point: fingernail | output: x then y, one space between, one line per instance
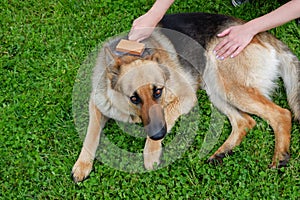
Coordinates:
231 56
220 58
215 52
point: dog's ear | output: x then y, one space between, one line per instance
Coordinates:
110 58
112 63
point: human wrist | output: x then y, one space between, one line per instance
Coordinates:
159 8
155 15
252 28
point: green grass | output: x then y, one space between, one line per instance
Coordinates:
42 46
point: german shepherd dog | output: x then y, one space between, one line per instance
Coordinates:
158 87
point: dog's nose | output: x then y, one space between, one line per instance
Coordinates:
160 134
156 127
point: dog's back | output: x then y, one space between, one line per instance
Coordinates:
191 24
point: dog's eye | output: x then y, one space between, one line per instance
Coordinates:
135 99
157 92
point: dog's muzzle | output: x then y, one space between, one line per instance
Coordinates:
156 127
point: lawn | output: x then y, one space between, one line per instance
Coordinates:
44 45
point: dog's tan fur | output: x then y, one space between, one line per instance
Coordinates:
235 86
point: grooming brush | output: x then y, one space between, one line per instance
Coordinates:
131 47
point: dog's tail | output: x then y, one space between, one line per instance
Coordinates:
290 73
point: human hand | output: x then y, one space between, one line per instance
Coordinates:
236 38
142 27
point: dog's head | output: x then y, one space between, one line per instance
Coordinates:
142 81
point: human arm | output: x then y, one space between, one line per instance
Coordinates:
236 38
143 26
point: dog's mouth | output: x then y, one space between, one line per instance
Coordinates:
155 125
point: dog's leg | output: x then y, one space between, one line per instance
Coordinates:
84 163
240 123
152 153
250 100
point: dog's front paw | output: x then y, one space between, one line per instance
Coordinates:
152 159
81 170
